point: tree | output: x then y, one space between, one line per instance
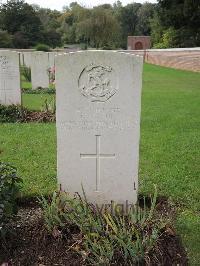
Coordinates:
183 16
52 38
145 14
101 29
156 30
72 17
5 39
128 20
117 6
106 6
20 40
16 16
49 18
168 39
51 24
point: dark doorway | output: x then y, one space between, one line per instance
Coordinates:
138 46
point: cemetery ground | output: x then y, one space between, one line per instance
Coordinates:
169 150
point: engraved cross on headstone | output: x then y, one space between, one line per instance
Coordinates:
98 156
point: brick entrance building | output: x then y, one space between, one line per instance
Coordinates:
139 42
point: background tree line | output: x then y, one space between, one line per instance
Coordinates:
170 23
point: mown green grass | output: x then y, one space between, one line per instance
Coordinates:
31 148
170 130
169 152
26 85
170 146
36 101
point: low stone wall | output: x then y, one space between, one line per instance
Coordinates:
185 59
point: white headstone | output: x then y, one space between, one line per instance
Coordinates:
98 124
39 70
10 92
27 58
52 59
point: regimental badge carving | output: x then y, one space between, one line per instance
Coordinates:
97 83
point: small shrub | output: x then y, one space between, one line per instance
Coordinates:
6 40
107 238
9 189
169 39
107 47
42 47
26 72
39 91
11 113
17 114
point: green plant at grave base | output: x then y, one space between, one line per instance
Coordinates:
9 189
26 72
52 211
12 113
107 237
49 106
40 91
42 47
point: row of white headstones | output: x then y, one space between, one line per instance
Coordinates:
98 99
10 62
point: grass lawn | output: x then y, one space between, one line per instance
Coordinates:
25 84
169 152
36 101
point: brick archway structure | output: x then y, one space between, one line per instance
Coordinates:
138 46
139 42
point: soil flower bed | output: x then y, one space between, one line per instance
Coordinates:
30 243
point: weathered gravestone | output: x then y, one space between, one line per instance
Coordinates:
51 59
98 124
27 58
39 70
10 92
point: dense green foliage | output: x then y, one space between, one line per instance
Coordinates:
9 189
40 91
21 21
11 113
171 23
177 23
5 39
105 26
42 47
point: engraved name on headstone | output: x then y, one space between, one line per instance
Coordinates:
98 124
